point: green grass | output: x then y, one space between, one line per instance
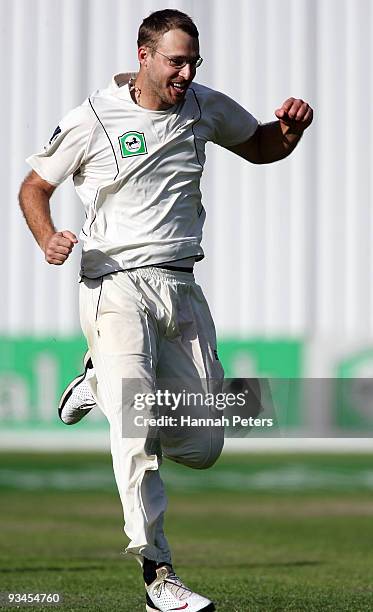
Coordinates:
263 541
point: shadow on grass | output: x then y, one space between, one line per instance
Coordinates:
51 569
268 564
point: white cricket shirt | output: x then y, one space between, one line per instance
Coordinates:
138 171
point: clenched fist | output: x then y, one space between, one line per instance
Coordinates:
59 246
294 115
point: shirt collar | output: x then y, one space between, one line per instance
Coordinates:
119 84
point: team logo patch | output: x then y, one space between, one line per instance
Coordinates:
132 143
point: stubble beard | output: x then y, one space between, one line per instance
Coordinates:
159 90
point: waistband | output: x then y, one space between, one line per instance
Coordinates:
171 275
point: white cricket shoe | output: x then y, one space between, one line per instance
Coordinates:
77 399
167 593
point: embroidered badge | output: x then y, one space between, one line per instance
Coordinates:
132 143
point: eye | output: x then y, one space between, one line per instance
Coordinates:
177 62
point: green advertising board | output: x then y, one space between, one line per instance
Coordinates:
280 362
35 371
353 398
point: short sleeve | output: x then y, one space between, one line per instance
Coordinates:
64 153
232 123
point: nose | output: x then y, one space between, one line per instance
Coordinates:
186 72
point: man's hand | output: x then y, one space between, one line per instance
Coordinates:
294 116
59 246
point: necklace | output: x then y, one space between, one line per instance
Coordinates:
134 91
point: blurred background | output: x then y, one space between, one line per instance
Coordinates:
289 259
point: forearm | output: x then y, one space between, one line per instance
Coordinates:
34 197
276 141
34 203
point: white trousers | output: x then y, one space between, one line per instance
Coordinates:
149 324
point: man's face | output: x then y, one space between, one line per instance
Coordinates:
167 83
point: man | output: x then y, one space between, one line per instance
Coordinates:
136 151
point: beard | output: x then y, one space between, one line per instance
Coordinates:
166 92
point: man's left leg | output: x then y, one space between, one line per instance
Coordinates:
189 364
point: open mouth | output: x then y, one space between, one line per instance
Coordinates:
179 88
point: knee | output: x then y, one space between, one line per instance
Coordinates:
200 458
206 460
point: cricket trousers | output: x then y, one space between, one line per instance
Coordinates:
148 324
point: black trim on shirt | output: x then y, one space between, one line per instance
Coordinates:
108 137
199 118
115 157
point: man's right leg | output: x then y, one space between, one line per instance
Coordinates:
122 341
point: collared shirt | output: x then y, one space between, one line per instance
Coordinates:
137 172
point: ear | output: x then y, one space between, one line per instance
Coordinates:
143 54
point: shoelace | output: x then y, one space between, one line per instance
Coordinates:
174 581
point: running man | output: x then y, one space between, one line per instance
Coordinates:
136 152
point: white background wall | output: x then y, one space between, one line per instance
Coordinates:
288 246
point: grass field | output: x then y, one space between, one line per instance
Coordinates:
254 533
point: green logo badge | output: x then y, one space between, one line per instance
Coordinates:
132 143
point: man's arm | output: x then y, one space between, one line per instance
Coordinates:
274 141
34 197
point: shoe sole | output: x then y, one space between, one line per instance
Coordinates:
209 608
69 389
